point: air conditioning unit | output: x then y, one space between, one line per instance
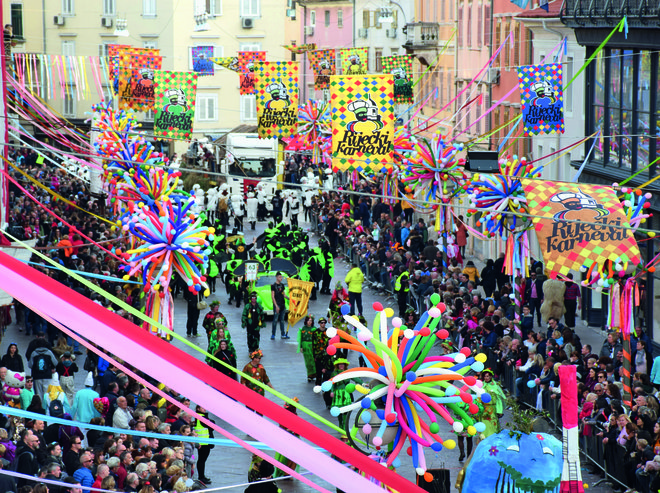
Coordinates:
390 33
362 32
494 76
106 21
309 30
58 20
247 22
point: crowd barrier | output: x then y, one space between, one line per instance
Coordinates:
608 463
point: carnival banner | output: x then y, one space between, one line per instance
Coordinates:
362 122
113 64
136 77
323 65
542 98
298 49
277 99
299 293
246 62
175 104
601 232
228 62
355 61
400 66
201 58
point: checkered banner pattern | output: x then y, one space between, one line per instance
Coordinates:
113 65
355 61
135 72
362 122
228 62
175 104
246 62
401 68
323 65
276 88
201 57
542 98
601 234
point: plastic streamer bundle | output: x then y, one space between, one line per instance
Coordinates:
172 239
314 126
409 390
436 173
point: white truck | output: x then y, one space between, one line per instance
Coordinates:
250 160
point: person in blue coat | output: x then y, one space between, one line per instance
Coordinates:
84 474
83 405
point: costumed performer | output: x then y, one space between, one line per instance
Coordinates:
305 344
226 355
209 318
339 298
221 332
339 396
252 321
279 457
493 410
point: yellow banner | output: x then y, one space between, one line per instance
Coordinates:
299 292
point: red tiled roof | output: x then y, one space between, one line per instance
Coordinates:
538 13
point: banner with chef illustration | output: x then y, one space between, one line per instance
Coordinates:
299 293
201 58
113 65
362 122
400 66
542 98
276 89
175 104
135 73
579 225
323 65
228 62
246 62
355 61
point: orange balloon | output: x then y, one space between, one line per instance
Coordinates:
428 477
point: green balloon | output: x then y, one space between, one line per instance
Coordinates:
435 298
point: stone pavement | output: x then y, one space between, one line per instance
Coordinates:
285 367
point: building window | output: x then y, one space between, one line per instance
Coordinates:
460 25
517 44
248 47
68 7
507 48
378 60
109 7
623 89
484 27
103 49
248 108
17 20
150 45
206 108
250 8
469 25
498 41
149 115
480 23
568 91
148 8
312 18
340 18
214 7
366 18
327 18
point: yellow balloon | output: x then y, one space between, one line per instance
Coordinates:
212 230
481 357
389 312
449 444
207 293
471 430
126 277
361 389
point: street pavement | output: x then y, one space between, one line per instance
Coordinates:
287 372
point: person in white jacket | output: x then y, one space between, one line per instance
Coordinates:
251 210
238 206
123 414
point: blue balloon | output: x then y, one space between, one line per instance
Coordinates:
485 398
531 384
345 309
380 413
449 391
366 403
334 411
477 366
411 376
326 386
436 446
383 371
480 427
366 417
396 463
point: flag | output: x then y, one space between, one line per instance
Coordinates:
228 62
400 66
542 98
355 61
362 122
298 49
323 66
113 65
246 62
201 57
602 233
277 99
136 77
299 292
175 104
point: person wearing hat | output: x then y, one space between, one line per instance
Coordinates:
210 317
494 409
257 371
83 408
266 471
252 321
306 345
55 394
339 297
338 395
66 370
220 333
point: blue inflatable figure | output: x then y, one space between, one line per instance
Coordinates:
514 461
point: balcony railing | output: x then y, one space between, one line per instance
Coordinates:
603 13
422 34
